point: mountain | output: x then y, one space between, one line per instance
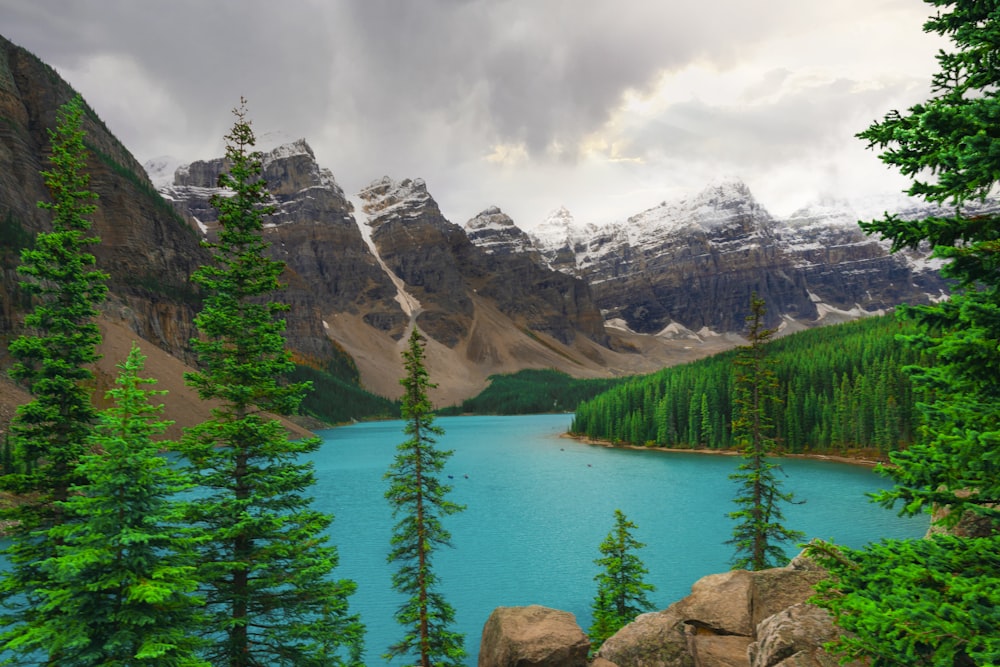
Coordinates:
145 246
687 267
667 285
372 264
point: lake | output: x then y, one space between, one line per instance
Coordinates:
539 505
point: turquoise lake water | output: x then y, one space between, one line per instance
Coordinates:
538 507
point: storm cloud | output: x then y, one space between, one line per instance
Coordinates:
605 106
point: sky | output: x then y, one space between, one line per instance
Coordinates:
604 107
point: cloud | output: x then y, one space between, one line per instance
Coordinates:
606 103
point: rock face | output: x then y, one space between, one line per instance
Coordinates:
734 619
693 263
794 637
145 246
444 269
330 267
532 637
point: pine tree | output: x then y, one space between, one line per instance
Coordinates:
621 590
759 531
120 585
52 359
265 565
942 591
419 501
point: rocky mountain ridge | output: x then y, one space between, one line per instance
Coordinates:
665 286
688 267
388 258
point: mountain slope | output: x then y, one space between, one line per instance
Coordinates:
688 267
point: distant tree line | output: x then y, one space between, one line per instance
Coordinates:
532 391
839 388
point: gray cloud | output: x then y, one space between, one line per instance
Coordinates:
430 88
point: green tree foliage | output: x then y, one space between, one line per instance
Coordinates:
120 586
926 602
759 533
934 602
840 387
265 565
52 360
532 391
336 399
419 501
621 590
952 142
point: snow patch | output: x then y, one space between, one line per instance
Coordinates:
161 170
618 324
409 303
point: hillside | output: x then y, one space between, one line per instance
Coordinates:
665 287
841 388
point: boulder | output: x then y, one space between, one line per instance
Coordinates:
656 639
710 650
721 603
729 619
794 637
532 636
781 587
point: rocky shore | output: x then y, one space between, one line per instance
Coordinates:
733 619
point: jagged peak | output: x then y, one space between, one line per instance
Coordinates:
556 229
724 188
490 217
560 216
386 196
161 170
297 147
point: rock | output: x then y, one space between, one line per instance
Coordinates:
780 588
711 650
532 636
601 662
717 624
795 637
721 603
657 639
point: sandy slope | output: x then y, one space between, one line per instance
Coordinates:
180 403
496 344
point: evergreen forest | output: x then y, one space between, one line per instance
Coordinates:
840 389
532 391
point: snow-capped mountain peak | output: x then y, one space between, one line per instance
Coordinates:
161 170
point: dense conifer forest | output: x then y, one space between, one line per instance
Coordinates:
841 388
532 391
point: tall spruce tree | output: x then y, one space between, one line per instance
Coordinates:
935 601
621 590
419 501
52 360
266 566
120 586
759 532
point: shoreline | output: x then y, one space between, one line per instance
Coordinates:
835 458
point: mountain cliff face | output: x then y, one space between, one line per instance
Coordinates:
364 283
146 248
582 298
691 265
443 269
329 266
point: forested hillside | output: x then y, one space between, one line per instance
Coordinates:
532 391
841 388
